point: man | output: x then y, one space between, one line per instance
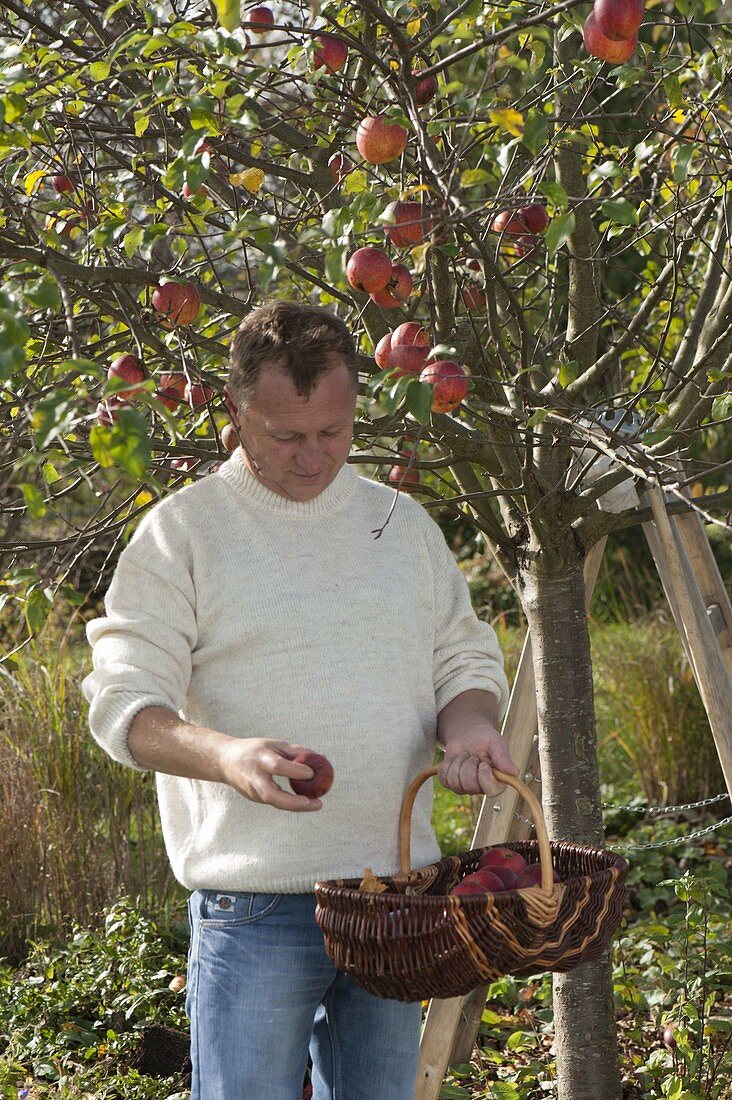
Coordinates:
255 613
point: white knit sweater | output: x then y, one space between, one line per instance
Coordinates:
258 616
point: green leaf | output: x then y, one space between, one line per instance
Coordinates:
682 163
228 13
535 131
127 443
34 501
99 71
555 193
43 294
38 604
520 1040
473 177
722 407
52 417
559 231
568 372
419 400
620 211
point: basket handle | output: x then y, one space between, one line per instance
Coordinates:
545 852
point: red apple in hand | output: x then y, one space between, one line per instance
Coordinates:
322 779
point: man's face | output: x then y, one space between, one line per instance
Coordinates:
293 445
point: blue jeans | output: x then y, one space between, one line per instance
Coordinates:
262 992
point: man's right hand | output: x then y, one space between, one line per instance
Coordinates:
160 740
248 765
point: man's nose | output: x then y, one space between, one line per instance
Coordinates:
310 455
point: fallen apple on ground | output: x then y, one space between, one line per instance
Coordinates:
322 778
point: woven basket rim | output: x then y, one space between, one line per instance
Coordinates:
348 888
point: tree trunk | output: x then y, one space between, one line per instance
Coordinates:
554 604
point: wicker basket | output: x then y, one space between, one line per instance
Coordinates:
416 941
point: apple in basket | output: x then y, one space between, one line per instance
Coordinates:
531 876
497 859
322 778
478 884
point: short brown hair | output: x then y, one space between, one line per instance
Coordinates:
301 340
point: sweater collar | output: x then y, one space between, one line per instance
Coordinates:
243 482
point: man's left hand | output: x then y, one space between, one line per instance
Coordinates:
473 746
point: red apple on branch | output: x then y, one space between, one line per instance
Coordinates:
599 45
369 269
534 216
404 477
397 290
322 778
329 53
171 389
259 20
379 141
62 184
198 393
409 224
339 166
450 382
425 89
382 352
407 358
410 332
618 19
130 368
178 302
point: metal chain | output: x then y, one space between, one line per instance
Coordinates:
530 777
657 844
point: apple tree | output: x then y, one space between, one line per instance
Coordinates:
524 213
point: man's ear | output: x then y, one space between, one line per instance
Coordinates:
231 406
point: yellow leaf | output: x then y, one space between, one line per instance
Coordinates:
32 180
228 13
506 118
407 194
256 148
355 182
251 178
143 497
413 26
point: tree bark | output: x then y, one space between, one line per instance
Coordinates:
553 599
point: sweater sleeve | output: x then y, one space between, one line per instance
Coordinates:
142 648
466 651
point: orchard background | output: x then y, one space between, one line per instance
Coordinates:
556 225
